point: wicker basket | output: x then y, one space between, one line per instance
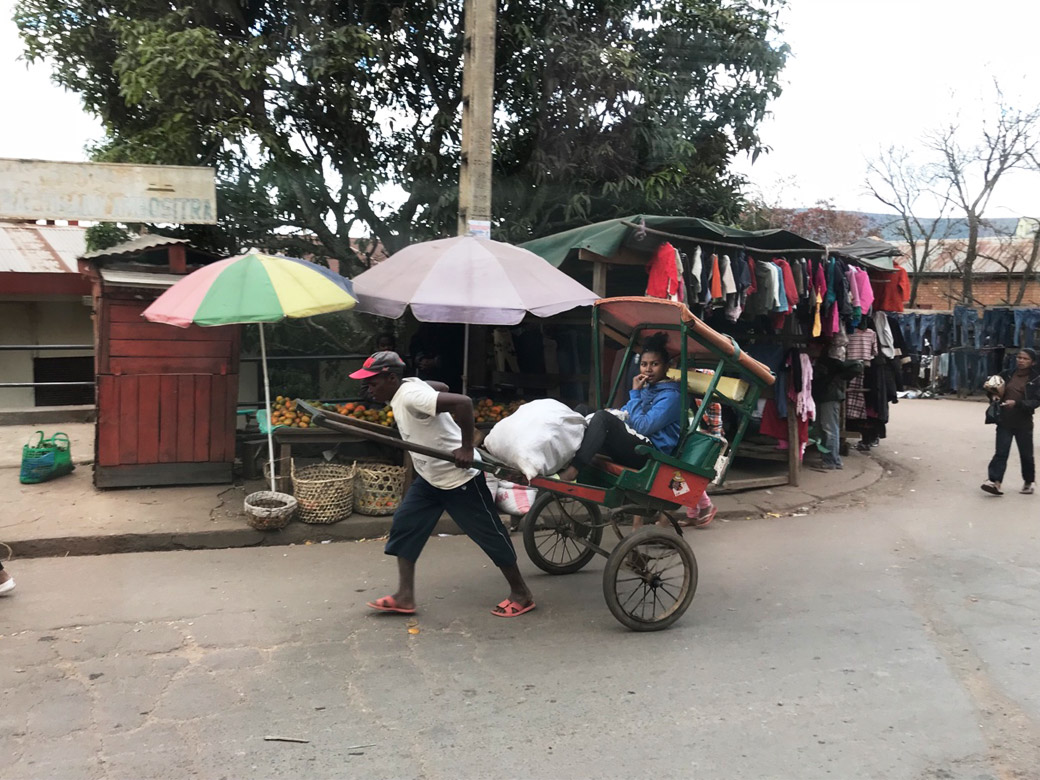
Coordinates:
379 489
325 492
269 511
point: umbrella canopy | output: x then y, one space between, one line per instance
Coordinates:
475 281
253 287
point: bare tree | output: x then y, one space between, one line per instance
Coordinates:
1034 255
972 170
895 181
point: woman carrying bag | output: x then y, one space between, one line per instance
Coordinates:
1020 398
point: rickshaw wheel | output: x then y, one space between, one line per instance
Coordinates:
650 579
554 528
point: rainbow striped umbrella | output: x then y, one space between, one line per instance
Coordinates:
253 287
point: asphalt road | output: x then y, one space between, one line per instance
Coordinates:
892 636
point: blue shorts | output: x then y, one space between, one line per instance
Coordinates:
470 506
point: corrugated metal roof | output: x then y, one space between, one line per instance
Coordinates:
122 278
26 248
135 246
995 256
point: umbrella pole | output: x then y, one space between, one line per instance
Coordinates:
465 360
267 401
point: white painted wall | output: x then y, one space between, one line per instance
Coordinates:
65 321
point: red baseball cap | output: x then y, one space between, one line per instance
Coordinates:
379 363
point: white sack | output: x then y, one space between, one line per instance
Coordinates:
538 439
513 499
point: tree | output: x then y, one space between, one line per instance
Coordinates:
895 181
821 223
973 169
325 117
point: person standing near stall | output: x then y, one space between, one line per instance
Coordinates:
1020 399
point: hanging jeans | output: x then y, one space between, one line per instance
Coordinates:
968 370
998 327
966 330
1024 440
1026 323
829 415
910 324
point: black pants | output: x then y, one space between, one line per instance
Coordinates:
1024 439
608 435
470 506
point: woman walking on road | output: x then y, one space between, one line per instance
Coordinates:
1020 399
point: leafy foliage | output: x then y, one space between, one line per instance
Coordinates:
821 223
325 118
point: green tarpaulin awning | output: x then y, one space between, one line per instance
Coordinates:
606 238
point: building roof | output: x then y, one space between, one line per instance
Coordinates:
29 248
995 256
136 246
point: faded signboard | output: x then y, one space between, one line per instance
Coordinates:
107 192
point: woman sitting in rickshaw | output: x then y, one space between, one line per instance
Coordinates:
652 416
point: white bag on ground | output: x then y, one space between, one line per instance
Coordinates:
538 439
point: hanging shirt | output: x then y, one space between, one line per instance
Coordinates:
864 290
695 275
716 278
663 280
729 285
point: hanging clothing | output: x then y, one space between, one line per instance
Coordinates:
663 276
729 285
862 346
716 278
886 342
891 289
695 275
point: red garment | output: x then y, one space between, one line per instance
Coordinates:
891 289
754 283
663 281
716 278
776 426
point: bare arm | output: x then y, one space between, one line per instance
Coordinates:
440 387
461 408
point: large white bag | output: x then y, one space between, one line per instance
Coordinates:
538 439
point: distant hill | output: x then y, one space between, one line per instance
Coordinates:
885 227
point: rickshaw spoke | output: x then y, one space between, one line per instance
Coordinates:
553 531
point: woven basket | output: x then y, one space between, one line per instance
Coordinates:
269 511
379 488
325 492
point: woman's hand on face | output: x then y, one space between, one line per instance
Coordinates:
639 381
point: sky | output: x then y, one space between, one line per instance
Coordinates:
863 75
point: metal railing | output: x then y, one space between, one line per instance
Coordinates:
44 347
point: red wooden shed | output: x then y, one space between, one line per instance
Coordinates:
166 396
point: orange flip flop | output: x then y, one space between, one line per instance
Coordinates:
509 608
389 604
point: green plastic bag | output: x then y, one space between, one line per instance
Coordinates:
44 459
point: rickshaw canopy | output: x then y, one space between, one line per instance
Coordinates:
628 315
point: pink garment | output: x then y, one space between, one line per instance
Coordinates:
805 405
866 292
850 276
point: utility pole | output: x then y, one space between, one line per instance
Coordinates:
478 106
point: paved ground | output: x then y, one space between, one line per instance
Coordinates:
892 634
69 517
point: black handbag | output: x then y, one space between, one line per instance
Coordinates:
993 412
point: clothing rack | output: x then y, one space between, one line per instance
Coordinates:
713 242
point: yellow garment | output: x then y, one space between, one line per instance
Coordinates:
817 327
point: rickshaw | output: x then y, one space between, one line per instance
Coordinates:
650 575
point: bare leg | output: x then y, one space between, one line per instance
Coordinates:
405 595
518 590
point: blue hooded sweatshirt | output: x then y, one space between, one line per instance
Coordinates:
655 412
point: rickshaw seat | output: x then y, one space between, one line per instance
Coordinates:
609 466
